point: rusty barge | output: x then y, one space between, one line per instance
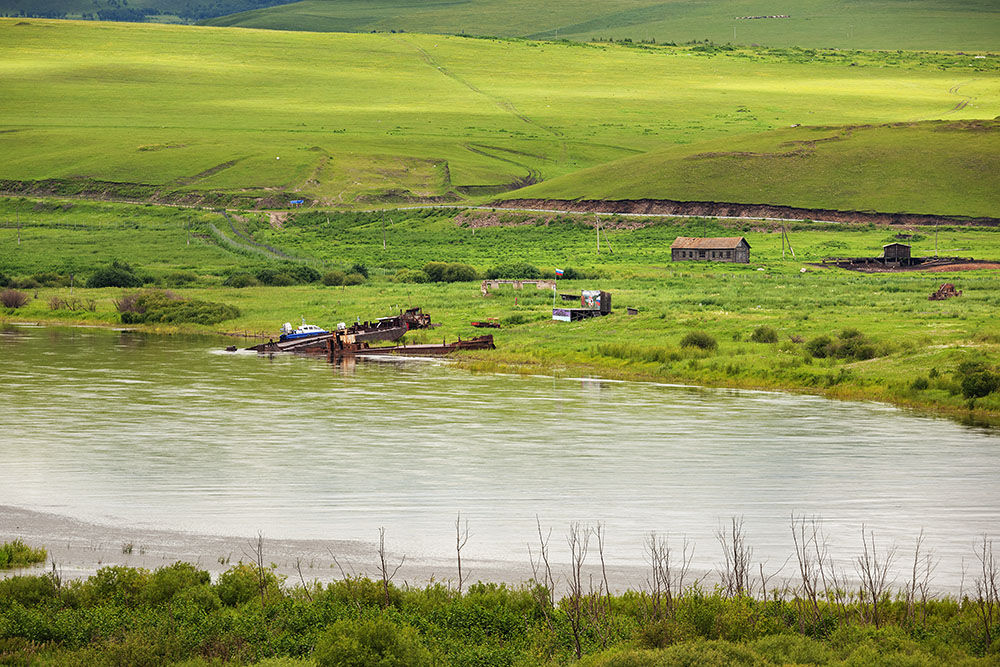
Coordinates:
356 339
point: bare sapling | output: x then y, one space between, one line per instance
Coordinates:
986 582
665 583
384 567
599 602
256 555
579 540
302 580
349 581
735 573
541 567
461 537
873 569
806 596
917 590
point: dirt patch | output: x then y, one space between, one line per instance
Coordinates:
964 267
277 219
735 210
480 219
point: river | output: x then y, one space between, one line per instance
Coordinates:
125 428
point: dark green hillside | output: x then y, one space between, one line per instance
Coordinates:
174 11
869 24
940 167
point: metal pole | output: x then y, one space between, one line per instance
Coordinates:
597 221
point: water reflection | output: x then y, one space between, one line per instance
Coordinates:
164 431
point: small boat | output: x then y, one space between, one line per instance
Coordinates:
303 331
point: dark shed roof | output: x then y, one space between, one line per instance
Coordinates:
721 243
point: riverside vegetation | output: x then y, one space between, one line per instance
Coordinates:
775 323
177 615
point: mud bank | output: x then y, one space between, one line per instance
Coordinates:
730 210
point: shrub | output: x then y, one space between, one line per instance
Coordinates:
167 582
5 280
27 591
19 554
456 273
275 277
241 584
849 344
699 339
12 298
331 278
979 384
817 346
240 280
371 642
764 334
51 279
354 279
155 306
920 384
118 584
435 271
359 268
410 276
513 271
117 274
179 278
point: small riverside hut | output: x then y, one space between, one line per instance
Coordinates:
896 252
724 249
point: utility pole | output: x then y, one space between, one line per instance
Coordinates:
597 222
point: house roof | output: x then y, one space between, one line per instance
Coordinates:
901 245
721 243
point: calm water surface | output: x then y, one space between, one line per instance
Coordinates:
167 432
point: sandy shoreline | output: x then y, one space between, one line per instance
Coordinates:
77 549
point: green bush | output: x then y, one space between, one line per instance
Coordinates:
410 276
19 554
167 582
27 591
699 339
513 271
444 272
155 306
849 344
920 384
764 334
354 279
977 385
178 278
240 280
333 278
5 280
241 583
359 268
118 584
275 278
117 274
49 279
378 643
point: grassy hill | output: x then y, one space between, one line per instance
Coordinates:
872 24
154 112
164 11
933 167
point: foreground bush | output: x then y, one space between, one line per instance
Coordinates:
117 274
378 642
699 339
444 272
19 554
764 334
12 298
513 271
848 344
154 306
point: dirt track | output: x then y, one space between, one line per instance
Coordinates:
731 210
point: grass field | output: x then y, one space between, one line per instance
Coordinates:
940 167
879 24
150 112
915 339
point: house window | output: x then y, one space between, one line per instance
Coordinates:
701 254
729 254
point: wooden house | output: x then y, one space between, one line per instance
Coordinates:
896 252
725 249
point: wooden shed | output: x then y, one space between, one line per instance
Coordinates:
896 252
723 249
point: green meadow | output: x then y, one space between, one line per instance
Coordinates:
879 24
255 118
917 347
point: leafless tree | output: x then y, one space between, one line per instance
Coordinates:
540 566
873 570
579 540
384 567
461 537
924 564
256 555
302 580
598 607
349 580
666 582
986 581
735 573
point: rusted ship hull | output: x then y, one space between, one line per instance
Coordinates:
339 344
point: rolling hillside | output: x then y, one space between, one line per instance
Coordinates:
163 11
945 168
870 24
239 117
